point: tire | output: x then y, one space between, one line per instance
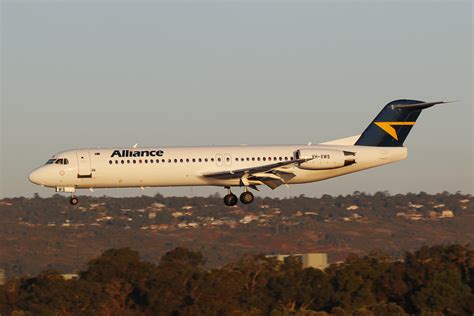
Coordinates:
230 200
74 200
246 197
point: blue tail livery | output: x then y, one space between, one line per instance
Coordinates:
392 125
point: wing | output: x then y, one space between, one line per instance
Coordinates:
273 175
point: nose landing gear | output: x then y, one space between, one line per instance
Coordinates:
73 200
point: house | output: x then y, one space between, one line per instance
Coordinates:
352 208
70 276
95 205
182 225
157 206
414 216
248 218
446 214
415 205
317 260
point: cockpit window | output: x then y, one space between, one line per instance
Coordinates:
60 161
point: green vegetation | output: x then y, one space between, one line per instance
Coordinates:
435 280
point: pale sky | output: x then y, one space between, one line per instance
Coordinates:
104 74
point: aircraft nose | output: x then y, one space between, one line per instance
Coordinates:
36 176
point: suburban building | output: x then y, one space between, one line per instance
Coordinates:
317 260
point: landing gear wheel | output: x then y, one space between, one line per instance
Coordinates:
246 197
230 199
73 200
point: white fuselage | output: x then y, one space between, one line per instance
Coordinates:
186 166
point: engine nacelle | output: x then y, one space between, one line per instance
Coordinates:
321 159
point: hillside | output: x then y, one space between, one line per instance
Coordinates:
44 233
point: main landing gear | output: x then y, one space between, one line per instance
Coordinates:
231 199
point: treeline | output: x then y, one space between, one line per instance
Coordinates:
431 281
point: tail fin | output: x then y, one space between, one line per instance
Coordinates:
391 126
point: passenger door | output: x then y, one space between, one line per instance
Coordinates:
84 169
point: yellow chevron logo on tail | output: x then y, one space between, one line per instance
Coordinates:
388 127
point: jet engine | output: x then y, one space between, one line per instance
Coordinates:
321 159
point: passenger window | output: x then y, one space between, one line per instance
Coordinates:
146 160
205 159
110 162
128 161
258 158
219 159
248 159
279 158
116 161
187 159
176 160
212 159
122 161
194 159
199 159
253 158
264 158
134 161
181 160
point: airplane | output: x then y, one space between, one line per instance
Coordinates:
244 166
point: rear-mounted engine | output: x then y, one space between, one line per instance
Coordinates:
318 159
